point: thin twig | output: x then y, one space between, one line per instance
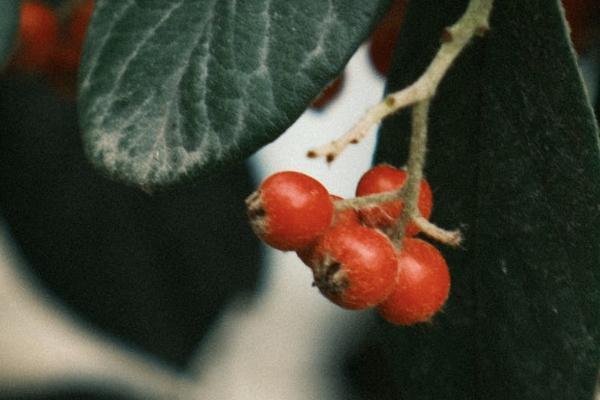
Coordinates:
416 162
474 21
369 200
451 238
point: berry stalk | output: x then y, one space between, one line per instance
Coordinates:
416 163
474 22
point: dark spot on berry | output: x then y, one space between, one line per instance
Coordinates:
331 279
331 269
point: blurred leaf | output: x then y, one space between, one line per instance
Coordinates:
514 155
170 89
9 21
154 271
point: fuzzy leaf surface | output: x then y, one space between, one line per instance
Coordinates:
171 89
514 156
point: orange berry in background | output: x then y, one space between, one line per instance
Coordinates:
383 38
78 23
328 94
67 56
37 37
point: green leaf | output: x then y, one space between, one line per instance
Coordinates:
9 20
513 155
171 89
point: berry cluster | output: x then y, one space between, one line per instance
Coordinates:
50 41
354 261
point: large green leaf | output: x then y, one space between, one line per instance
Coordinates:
514 156
170 89
9 19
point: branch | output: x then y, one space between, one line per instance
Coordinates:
362 201
451 238
416 162
475 21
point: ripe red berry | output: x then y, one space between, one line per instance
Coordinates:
343 217
70 50
329 93
385 178
423 284
38 36
78 23
383 38
289 210
355 267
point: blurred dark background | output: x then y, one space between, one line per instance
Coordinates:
151 269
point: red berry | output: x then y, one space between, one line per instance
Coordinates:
385 178
290 210
423 285
78 23
346 216
329 93
64 61
383 38
355 267
38 36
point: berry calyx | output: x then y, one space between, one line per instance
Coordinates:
37 38
290 210
423 285
386 178
355 267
